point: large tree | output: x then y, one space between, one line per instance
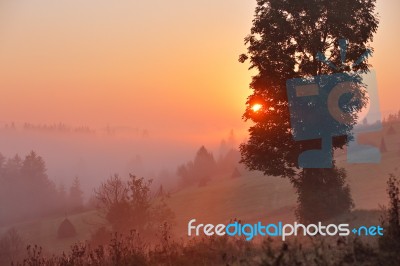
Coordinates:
285 39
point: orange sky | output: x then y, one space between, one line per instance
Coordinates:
169 66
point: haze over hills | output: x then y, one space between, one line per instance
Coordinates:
249 197
94 154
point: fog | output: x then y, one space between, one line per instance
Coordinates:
94 89
94 155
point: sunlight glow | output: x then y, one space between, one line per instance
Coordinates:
256 107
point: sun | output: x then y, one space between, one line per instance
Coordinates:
256 107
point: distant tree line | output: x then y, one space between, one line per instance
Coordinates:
60 127
64 128
56 127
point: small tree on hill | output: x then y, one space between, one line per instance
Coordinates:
203 165
200 170
128 204
76 195
112 196
139 199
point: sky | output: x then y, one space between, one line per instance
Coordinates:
168 66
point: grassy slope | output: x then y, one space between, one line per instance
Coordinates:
250 198
368 181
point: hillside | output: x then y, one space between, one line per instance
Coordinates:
251 197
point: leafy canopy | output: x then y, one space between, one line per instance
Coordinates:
285 38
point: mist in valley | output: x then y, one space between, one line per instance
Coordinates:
94 155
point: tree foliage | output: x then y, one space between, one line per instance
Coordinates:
37 194
285 39
128 204
198 171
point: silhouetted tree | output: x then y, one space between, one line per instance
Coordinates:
127 204
75 195
34 169
40 193
113 198
203 164
284 41
12 168
25 189
139 199
200 170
